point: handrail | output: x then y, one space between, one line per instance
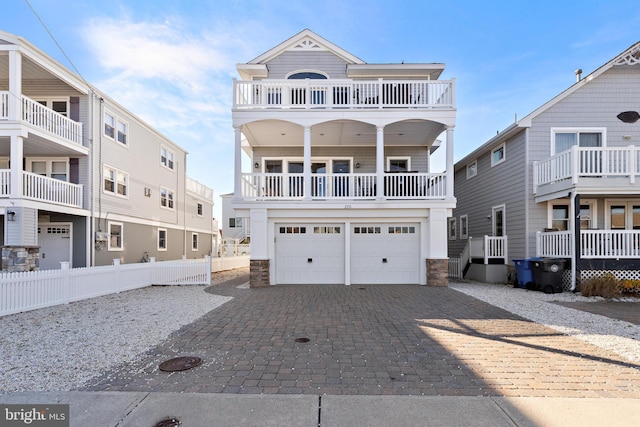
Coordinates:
343 93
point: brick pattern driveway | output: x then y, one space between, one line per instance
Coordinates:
373 340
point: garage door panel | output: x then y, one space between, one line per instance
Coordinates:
385 254
312 254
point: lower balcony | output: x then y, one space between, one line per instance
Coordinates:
594 244
43 189
352 186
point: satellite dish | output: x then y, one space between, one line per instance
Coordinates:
629 116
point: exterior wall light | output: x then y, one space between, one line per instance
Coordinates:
10 215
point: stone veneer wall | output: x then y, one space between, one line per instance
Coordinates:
437 272
20 258
259 273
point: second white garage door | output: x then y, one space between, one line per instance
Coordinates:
310 253
385 254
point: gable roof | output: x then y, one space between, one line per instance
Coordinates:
630 56
307 40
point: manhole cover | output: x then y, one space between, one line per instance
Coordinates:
169 422
180 364
302 340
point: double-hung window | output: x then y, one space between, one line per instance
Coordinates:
166 158
115 128
194 241
115 236
167 198
115 181
162 239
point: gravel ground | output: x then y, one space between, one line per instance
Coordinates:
60 348
620 337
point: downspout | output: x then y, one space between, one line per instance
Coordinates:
91 251
527 193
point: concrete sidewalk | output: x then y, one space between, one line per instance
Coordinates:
138 409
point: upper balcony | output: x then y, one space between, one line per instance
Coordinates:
344 186
590 169
343 94
42 119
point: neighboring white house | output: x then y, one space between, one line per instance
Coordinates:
233 227
84 180
562 182
341 189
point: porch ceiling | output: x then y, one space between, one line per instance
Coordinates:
341 133
30 72
36 146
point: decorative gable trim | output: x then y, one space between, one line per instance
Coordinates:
307 44
309 41
630 57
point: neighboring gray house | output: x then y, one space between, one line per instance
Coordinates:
82 179
341 189
562 182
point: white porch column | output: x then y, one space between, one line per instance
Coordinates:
237 175
17 153
450 169
380 162
15 86
306 166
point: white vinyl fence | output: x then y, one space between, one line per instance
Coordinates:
38 289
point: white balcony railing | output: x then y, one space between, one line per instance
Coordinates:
44 189
43 118
343 93
288 186
200 189
594 244
584 162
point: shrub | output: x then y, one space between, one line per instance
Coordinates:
606 286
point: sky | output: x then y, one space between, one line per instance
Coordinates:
171 62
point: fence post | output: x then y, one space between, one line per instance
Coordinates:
208 262
66 280
116 266
152 270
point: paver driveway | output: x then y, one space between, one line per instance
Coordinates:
373 340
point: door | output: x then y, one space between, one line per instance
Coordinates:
341 183
55 245
318 179
309 253
385 253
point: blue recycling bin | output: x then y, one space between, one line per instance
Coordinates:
524 271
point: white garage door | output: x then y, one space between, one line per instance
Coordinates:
55 245
385 254
309 253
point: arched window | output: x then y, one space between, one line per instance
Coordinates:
307 75
298 95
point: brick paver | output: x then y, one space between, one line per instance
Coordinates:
374 340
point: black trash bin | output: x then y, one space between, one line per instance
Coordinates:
547 274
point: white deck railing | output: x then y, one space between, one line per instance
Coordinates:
37 289
51 190
287 186
43 118
594 244
554 244
583 162
310 93
199 189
